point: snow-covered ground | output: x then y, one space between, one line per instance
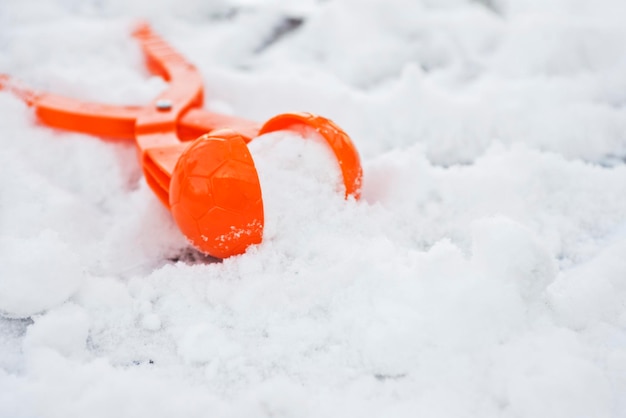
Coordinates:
483 274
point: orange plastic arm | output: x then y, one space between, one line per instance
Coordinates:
117 122
65 113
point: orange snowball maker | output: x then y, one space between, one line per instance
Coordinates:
196 162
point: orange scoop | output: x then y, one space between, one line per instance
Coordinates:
196 162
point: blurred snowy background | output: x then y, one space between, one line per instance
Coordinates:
483 274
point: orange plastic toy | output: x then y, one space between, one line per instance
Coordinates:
196 162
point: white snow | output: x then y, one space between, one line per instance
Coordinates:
37 274
482 274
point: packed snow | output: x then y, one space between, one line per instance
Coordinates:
482 274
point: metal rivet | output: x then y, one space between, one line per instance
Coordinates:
163 104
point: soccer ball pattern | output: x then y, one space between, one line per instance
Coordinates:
215 195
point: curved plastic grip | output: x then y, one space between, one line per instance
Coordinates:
340 143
